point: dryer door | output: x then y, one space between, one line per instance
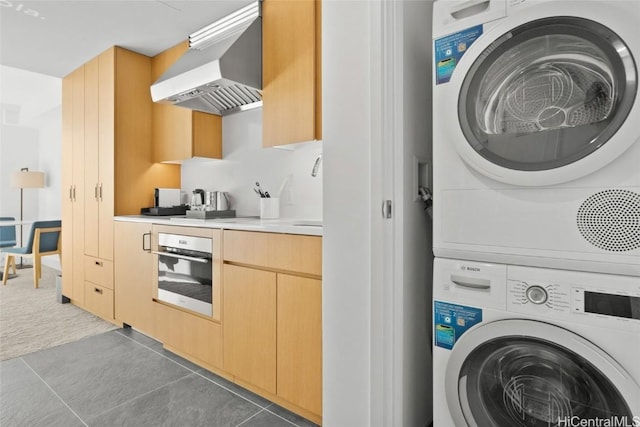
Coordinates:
512 373
544 96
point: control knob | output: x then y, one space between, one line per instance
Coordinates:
537 294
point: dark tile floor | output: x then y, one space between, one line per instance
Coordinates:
123 378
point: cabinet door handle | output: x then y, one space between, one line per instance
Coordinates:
143 246
100 191
71 193
99 263
95 192
74 193
98 291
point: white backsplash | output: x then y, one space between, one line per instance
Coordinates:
245 161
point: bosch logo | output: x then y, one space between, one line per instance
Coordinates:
182 242
467 268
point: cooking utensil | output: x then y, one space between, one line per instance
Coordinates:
259 189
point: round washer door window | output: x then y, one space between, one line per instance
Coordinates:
505 376
547 94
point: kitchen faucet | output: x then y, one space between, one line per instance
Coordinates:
316 165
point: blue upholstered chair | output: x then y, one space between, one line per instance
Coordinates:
7 233
44 239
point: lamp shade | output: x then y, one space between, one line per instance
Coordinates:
27 179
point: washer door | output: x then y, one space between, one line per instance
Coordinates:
545 95
513 373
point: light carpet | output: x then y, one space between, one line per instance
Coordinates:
32 320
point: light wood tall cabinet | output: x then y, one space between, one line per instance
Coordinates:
107 168
291 73
272 317
179 133
73 96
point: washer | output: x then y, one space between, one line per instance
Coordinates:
526 346
536 141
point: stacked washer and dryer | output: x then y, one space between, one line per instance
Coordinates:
536 150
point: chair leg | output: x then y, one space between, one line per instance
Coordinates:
36 274
13 263
7 261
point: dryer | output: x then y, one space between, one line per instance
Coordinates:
536 133
525 346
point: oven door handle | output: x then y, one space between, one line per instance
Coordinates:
188 258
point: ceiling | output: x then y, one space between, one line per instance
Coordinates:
55 37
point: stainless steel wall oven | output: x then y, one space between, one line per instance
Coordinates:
186 269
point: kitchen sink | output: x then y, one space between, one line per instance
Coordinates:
307 224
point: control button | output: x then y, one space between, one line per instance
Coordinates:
537 294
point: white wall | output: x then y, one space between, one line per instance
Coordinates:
416 258
18 149
376 273
346 296
245 161
34 141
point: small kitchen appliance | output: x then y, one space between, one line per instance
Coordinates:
166 202
166 197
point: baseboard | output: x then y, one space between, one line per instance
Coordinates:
52 262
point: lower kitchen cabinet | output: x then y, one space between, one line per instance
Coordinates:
272 317
98 300
98 287
249 325
134 276
196 338
299 341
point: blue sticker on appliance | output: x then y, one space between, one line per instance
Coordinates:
449 49
450 321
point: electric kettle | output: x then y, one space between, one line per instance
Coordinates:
197 197
222 201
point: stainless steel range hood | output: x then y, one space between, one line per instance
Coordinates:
221 73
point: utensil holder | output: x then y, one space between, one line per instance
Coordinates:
269 208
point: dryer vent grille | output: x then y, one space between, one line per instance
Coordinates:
610 220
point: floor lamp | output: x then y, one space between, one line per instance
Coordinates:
25 179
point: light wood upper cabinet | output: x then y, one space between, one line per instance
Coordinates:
179 133
291 77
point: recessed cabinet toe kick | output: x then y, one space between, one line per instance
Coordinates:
246 305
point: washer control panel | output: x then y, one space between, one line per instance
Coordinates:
535 297
574 302
537 294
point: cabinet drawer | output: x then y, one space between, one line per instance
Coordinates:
289 252
98 300
98 271
190 334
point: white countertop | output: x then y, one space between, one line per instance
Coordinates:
288 225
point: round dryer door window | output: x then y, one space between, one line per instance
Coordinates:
517 373
547 94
